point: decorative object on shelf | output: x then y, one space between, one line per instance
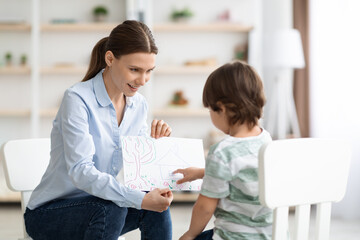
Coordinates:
285 53
211 61
241 52
224 16
181 15
100 13
63 21
8 59
179 99
23 60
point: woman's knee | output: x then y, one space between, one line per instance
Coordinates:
108 218
90 217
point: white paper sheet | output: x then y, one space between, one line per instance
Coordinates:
148 163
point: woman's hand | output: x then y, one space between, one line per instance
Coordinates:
157 200
190 174
159 128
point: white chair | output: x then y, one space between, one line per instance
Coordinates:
299 173
25 162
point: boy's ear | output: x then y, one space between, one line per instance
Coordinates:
109 58
221 106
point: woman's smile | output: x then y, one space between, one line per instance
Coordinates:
133 88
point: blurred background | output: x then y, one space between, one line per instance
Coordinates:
306 51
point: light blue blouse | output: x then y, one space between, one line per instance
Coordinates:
86 150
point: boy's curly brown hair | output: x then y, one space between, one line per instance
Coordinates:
239 88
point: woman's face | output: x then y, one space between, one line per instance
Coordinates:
131 71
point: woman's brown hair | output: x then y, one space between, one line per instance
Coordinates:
126 38
239 88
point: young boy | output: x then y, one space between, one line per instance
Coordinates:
234 95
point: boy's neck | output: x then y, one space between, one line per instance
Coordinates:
242 131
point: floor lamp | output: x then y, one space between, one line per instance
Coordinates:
285 55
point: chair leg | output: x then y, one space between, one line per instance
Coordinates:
281 221
323 215
302 221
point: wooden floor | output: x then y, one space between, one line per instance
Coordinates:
11 223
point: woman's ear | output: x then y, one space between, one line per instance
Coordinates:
109 58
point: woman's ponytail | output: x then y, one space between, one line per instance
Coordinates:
97 61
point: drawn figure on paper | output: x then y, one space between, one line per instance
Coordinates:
166 169
143 152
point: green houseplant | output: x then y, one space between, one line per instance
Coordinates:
8 58
100 13
23 59
181 15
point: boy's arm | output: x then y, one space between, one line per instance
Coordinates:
190 174
202 212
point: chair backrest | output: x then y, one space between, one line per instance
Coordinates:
25 162
300 173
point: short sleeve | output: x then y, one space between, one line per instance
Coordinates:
216 179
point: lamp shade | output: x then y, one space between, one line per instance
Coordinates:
285 49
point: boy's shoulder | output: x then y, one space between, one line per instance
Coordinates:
228 143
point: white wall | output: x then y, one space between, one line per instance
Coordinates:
335 85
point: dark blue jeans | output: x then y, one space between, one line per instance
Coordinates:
207 235
94 218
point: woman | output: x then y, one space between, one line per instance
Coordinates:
78 196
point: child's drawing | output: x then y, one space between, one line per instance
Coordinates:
149 162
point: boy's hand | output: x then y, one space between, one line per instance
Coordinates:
159 128
190 174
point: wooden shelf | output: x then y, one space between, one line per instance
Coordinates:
14 70
76 27
48 113
185 196
27 112
64 70
14 113
181 112
184 69
15 27
209 27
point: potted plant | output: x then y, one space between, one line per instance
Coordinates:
8 58
181 15
23 60
100 13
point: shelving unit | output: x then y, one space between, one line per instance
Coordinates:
15 70
15 27
179 69
78 27
205 27
78 70
180 43
181 112
30 95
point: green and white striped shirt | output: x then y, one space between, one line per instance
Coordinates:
231 175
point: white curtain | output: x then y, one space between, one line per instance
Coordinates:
335 85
